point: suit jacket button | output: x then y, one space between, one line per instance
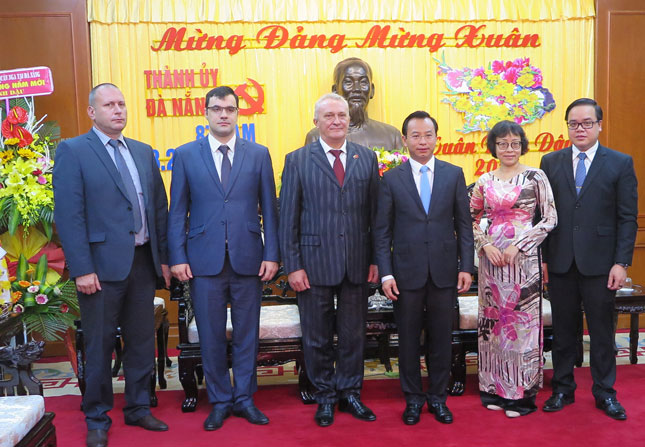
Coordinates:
341 235
129 208
577 204
576 228
132 232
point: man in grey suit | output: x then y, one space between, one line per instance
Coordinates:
110 213
425 252
327 210
587 255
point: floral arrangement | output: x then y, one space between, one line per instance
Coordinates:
506 90
388 160
26 194
43 307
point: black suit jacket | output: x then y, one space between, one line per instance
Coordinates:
410 244
597 228
325 229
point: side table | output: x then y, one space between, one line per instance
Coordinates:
633 304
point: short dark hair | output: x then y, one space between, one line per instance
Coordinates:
419 114
584 102
92 94
221 92
502 129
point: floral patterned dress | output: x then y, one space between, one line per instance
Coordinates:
510 305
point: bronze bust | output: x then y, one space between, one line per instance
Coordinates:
353 80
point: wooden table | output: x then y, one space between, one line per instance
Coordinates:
632 304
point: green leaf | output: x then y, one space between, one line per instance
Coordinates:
22 267
47 226
14 220
41 269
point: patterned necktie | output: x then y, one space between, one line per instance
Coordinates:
338 166
426 194
581 172
129 184
226 165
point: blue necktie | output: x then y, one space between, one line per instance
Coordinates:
129 184
425 188
581 172
226 165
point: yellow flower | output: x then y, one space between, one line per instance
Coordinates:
463 104
24 283
477 83
15 296
27 153
6 156
11 141
525 80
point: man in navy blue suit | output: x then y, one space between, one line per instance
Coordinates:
110 213
215 241
587 254
425 252
327 210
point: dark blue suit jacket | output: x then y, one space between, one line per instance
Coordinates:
202 213
93 215
410 243
598 227
326 229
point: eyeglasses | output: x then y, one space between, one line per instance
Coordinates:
585 124
503 145
218 110
428 137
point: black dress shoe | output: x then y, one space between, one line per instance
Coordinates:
215 419
412 414
324 415
354 406
96 438
149 422
252 414
557 401
612 408
441 412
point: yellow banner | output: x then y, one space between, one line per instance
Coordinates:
467 63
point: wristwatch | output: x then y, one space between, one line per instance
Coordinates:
623 265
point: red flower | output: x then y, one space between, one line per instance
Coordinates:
7 129
64 308
17 115
37 172
23 135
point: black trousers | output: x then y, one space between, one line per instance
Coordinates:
318 321
129 304
430 308
567 291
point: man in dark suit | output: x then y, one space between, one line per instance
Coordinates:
215 241
425 252
110 213
588 253
327 207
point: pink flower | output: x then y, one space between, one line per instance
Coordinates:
479 72
41 298
18 309
521 62
500 99
42 180
64 308
537 80
511 75
32 289
498 67
519 119
455 78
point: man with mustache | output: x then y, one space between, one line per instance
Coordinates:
353 81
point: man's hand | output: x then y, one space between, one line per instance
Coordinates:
165 272
391 290
617 276
510 253
88 284
464 280
545 273
181 271
372 275
268 270
298 280
494 255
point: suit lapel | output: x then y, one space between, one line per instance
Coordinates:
207 156
238 160
350 162
566 163
407 178
438 183
102 153
320 158
596 166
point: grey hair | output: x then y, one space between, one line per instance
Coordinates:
328 97
95 89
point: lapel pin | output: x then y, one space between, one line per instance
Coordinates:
355 156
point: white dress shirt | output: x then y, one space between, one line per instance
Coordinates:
142 236
591 153
331 157
217 154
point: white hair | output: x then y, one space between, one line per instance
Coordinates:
328 97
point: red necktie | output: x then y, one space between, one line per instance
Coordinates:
338 166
